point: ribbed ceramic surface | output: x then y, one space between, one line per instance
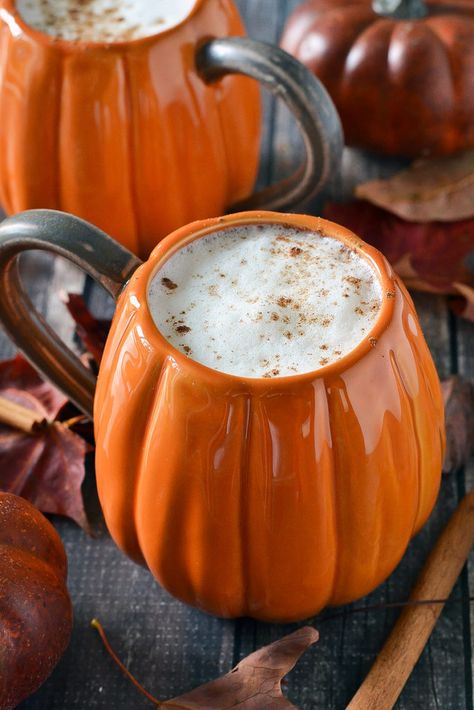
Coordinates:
268 498
127 135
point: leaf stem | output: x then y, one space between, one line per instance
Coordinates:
95 623
68 423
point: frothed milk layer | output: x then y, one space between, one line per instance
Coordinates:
103 20
265 301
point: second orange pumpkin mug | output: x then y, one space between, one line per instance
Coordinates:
142 136
244 495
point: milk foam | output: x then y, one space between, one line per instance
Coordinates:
265 302
103 20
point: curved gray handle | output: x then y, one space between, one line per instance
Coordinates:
304 95
91 249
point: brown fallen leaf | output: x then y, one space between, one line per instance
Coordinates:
430 190
254 683
45 467
458 396
434 256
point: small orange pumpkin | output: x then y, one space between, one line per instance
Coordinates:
267 498
401 86
35 609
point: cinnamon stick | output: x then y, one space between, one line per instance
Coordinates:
394 664
19 417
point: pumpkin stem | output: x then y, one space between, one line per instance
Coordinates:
95 623
400 9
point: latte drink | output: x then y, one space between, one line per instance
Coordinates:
103 20
265 300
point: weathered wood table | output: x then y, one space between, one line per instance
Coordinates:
171 647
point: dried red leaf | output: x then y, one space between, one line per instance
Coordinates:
92 332
458 396
429 257
430 189
17 374
47 467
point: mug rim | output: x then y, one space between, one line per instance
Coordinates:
140 283
10 8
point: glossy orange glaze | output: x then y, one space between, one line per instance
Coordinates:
125 135
267 498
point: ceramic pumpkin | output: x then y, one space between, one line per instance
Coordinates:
403 84
140 137
245 496
35 609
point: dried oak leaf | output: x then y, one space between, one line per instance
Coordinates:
92 332
435 257
46 467
431 189
458 396
255 683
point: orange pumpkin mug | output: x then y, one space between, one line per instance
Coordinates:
142 136
244 495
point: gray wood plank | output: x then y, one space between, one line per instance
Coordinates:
171 647
167 645
464 353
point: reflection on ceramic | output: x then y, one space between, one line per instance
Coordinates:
142 136
127 137
267 498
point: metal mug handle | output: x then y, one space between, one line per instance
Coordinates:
86 246
304 95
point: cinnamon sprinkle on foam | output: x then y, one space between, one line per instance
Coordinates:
103 20
265 300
